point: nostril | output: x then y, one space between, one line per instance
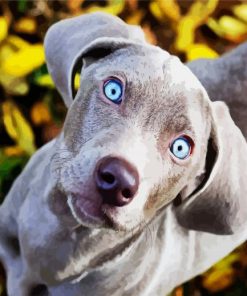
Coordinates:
107 177
127 193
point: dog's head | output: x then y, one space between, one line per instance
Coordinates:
140 132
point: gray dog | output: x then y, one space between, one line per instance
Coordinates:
132 196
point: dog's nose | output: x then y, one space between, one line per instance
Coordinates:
117 181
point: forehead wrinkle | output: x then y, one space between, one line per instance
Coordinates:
158 106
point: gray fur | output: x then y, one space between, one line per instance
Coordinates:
149 247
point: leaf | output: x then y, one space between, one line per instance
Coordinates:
221 275
40 114
156 11
196 16
17 42
74 5
218 280
17 127
168 8
11 84
45 80
200 50
233 28
186 34
240 11
227 261
215 27
135 18
14 85
13 151
149 34
77 81
26 25
114 7
24 61
3 28
229 28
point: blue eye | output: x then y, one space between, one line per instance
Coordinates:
181 147
113 90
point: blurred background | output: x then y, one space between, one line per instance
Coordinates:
32 112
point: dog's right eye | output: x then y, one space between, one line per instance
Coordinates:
113 89
181 147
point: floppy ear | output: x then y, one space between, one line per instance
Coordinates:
219 205
68 40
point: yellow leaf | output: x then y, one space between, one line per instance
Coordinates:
114 7
227 261
40 114
26 25
24 61
240 11
215 27
170 9
218 280
156 11
186 31
17 42
6 50
17 127
221 275
45 80
77 81
14 85
149 34
3 28
196 16
199 50
74 5
232 27
13 151
135 18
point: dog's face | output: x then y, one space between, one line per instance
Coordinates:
140 132
131 152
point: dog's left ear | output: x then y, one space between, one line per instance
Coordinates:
219 204
68 40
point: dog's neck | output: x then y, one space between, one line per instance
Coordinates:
127 267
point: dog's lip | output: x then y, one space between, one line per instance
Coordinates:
86 211
111 214
91 212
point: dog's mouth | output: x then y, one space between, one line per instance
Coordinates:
93 213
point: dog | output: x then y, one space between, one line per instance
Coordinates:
145 186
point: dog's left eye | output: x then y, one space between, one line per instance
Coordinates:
181 147
113 90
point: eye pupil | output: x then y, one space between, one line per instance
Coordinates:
113 91
180 148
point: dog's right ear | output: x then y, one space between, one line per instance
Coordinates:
69 40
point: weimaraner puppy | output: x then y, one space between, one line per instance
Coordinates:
146 185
